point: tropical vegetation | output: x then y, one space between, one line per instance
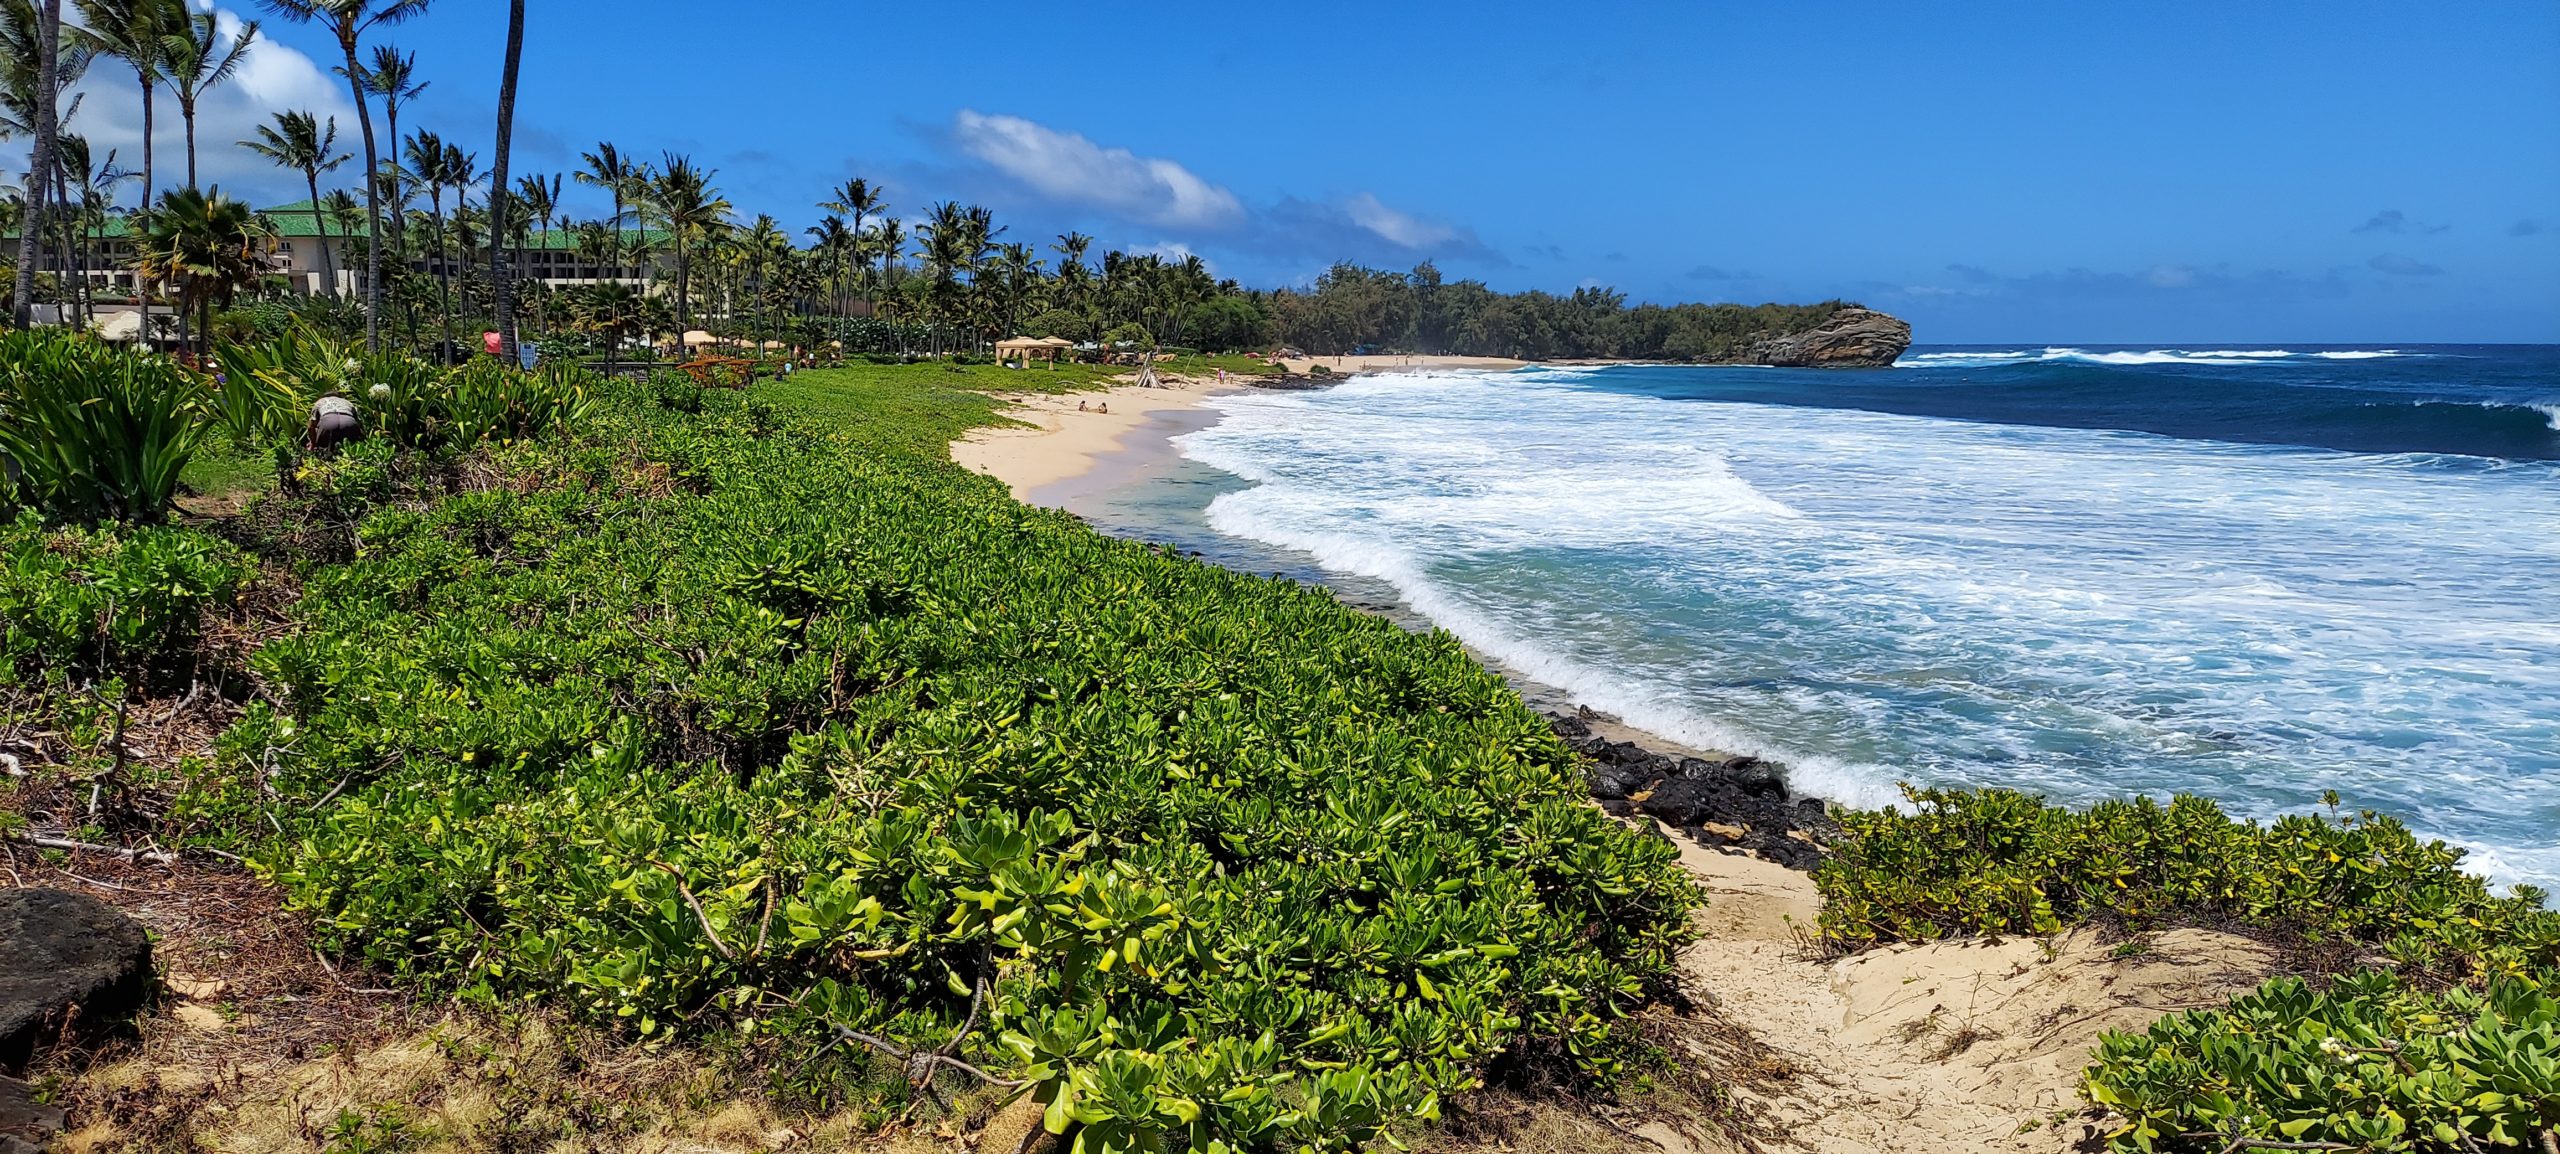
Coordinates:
1193 859
2433 1028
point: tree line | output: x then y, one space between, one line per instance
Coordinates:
444 242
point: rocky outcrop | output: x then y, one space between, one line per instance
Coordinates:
68 963
1853 338
1738 802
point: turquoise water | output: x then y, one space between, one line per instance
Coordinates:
2253 574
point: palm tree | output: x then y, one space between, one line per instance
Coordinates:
298 141
439 166
890 241
1075 278
206 244
131 31
349 20
89 191
501 282
539 200
829 238
196 62
614 311
857 199
608 169
693 213
1018 277
763 243
46 65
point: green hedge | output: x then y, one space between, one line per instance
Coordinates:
2372 1064
704 724
85 603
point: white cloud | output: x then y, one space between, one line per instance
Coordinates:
274 77
1065 166
1395 227
1174 251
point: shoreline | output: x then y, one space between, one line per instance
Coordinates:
1966 1043
1068 457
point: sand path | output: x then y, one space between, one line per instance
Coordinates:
1963 1045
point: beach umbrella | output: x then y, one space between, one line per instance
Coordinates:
695 337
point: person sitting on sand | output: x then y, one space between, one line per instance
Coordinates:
1080 406
1105 407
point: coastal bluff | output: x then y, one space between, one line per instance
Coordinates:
1853 338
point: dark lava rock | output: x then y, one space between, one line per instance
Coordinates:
1853 338
1740 802
26 1125
66 959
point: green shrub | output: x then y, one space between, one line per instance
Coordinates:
90 603
675 392
1997 861
95 432
2370 1065
706 731
266 387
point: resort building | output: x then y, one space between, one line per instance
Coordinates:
311 250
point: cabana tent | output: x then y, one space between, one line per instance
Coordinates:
1025 348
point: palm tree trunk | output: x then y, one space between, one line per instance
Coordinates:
444 274
187 112
372 206
147 86
48 41
501 286
320 220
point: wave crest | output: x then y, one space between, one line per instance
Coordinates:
1966 360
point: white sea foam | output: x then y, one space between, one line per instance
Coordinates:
1872 597
2552 412
1945 360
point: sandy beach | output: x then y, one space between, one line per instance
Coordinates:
1070 432
1070 435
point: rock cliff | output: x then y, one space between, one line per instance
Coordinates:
1853 338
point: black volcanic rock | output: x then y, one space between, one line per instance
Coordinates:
1740 802
66 960
1853 338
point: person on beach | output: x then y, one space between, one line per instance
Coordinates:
1080 406
1105 407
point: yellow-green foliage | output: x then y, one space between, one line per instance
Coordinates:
79 602
2369 1065
715 721
1997 861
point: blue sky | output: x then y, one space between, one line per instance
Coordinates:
2168 172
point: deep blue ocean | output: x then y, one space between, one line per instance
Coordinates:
2254 573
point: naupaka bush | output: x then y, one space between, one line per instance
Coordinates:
703 723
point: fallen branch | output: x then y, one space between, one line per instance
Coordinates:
920 1063
334 976
154 857
725 952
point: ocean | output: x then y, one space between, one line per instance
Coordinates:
2253 573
